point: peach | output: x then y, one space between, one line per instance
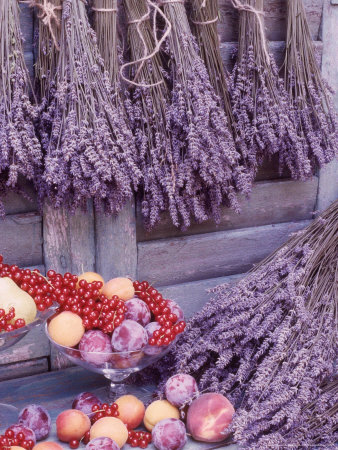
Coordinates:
71 424
157 411
122 287
112 428
66 329
90 277
15 447
47 445
131 410
209 417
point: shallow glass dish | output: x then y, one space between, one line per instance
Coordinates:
115 366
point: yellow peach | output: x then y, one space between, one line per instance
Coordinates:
90 277
66 329
131 410
122 287
157 411
72 424
48 445
112 428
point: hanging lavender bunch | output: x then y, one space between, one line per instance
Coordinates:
204 19
270 342
200 132
261 107
20 151
90 150
310 97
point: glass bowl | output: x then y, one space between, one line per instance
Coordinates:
8 413
115 366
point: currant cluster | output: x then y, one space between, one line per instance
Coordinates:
139 439
163 315
104 410
86 438
6 319
31 282
10 439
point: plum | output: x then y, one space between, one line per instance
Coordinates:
180 389
175 309
169 434
129 336
152 349
138 311
36 418
151 327
98 342
102 443
85 401
27 432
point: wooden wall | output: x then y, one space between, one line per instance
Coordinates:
183 263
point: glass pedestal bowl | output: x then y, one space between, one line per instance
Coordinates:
8 413
115 366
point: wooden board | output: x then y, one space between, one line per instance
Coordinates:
23 369
17 204
21 239
26 24
190 258
270 202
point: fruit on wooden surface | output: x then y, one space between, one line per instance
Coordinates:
66 329
131 411
103 410
209 416
85 401
169 434
138 311
28 433
90 277
37 418
98 342
157 411
11 296
71 424
102 443
180 389
122 287
110 427
47 445
129 336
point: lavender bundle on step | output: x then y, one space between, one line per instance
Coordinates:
90 151
270 342
261 107
310 97
200 134
20 151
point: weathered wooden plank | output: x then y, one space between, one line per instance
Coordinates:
26 24
328 176
21 239
116 248
229 51
23 369
192 296
210 255
17 204
275 19
270 202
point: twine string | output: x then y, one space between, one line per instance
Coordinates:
205 22
237 4
147 56
104 9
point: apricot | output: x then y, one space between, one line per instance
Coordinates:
112 428
66 329
15 447
48 445
122 287
90 277
71 424
157 411
131 411
209 417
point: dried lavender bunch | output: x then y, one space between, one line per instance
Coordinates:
309 94
200 132
271 341
261 107
20 151
204 18
90 150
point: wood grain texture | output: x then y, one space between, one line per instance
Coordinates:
116 247
328 176
275 19
210 255
17 204
23 369
21 239
270 202
27 28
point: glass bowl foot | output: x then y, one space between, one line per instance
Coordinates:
8 416
116 390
